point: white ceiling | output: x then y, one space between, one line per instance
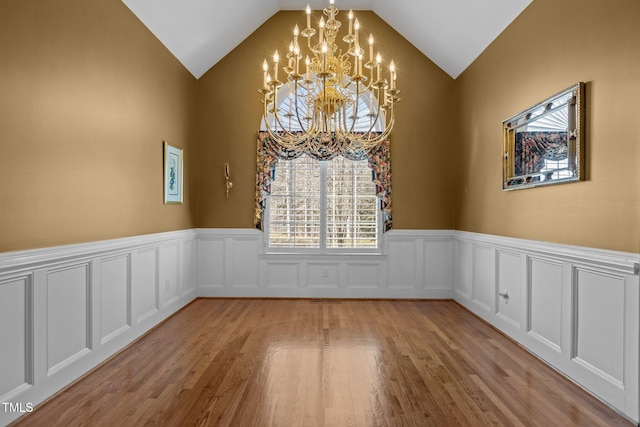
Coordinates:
452 33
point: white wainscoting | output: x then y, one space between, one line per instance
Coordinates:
413 264
64 310
576 308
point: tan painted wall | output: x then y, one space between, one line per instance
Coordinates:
550 46
87 95
229 112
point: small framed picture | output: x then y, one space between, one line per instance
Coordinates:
172 174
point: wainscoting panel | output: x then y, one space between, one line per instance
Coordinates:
146 293
188 286
403 263
322 274
211 260
412 264
68 315
245 261
71 307
115 300
437 261
484 283
576 308
599 322
463 261
545 303
283 275
16 334
509 288
363 275
169 264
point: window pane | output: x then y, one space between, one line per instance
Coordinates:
349 210
351 205
294 205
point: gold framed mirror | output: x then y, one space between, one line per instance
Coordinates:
544 144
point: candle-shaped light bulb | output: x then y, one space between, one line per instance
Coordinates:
350 22
325 48
370 47
276 59
307 61
360 64
321 25
308 11
290 55
392 71
378 61
296 31
265 68
356 27
290 52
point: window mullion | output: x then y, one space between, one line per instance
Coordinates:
323 206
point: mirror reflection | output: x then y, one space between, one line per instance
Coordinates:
543 144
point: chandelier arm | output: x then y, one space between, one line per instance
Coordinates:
356 107
373 123
288 140
298 110
325 119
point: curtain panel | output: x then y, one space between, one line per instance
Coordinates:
269 152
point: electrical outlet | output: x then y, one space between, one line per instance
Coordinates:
325 272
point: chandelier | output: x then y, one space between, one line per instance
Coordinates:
330 95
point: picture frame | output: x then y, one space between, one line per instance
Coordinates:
544 145
173 174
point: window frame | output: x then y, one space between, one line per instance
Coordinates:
323 249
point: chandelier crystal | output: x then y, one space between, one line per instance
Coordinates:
325 95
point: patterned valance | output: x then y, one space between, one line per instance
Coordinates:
269 152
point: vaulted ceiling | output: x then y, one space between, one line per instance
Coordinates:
452 33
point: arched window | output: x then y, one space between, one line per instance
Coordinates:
324 205
363 122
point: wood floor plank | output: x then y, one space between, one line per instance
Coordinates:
261 362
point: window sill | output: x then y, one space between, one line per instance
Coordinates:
334 256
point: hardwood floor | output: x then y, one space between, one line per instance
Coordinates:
246 362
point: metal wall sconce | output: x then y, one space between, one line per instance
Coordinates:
228 183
